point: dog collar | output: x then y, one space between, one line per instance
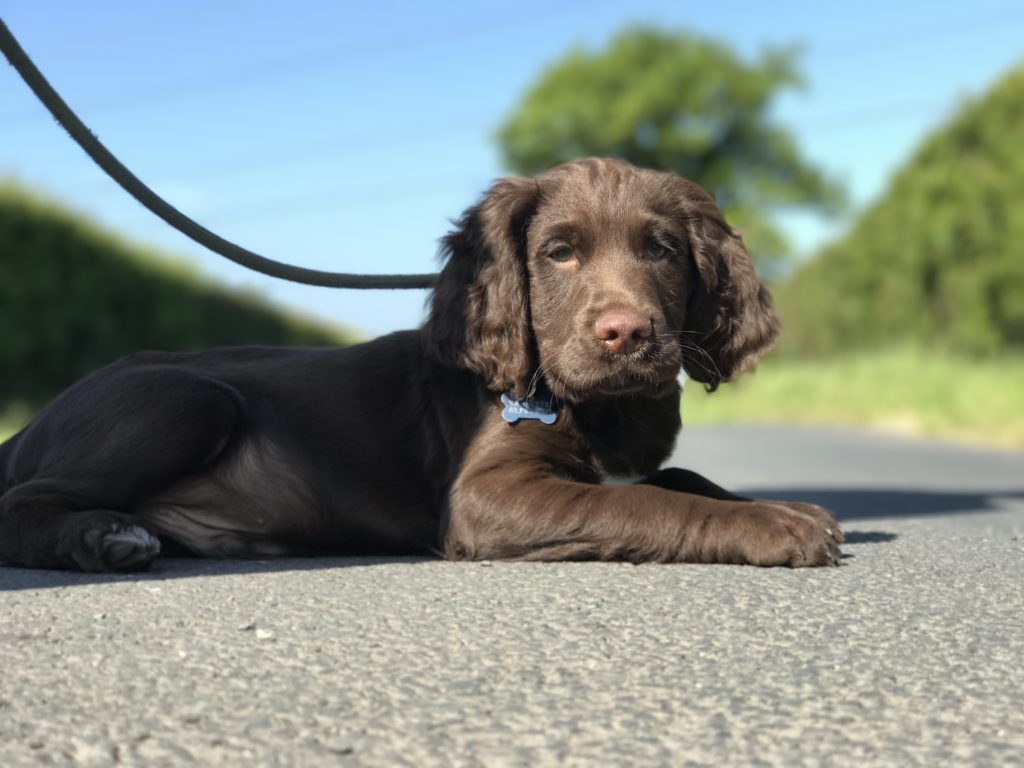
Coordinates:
541 408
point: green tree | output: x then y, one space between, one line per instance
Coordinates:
937 259
678 102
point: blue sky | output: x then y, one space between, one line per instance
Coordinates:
346 136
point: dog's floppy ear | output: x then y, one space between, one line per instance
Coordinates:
730 309
479 312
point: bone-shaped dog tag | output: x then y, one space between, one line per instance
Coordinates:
541 408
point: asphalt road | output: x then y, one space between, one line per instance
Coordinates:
912 653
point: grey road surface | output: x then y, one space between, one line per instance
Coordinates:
912 653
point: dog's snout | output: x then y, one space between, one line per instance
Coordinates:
623 332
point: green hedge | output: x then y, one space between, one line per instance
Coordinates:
73 298
938 261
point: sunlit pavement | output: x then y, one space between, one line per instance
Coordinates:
910 653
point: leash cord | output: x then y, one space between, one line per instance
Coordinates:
131 184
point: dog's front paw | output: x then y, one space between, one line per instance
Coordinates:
817 513
772 533
100 540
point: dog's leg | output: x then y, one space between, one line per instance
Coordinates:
528 515
687 481
76 473
513 501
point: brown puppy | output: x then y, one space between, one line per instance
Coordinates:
566 308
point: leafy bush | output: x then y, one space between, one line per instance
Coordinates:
73 298
938 260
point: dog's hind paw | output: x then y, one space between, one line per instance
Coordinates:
131 549
100 540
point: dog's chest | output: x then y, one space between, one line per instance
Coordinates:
623 446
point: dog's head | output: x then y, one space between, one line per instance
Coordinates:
602 278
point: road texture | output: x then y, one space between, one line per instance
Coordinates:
912 653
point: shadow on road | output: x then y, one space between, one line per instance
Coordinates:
14 579
869 504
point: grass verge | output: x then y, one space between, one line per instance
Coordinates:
909 392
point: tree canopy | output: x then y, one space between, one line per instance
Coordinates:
679 102
938 258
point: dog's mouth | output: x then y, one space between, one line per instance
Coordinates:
650 372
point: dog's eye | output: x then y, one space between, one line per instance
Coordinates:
656 251
561 254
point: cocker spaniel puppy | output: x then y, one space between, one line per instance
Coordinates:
566 308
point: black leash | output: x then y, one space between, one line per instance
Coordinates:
151 200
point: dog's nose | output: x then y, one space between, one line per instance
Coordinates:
622 332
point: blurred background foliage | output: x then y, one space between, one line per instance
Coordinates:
73 298
938 260
913 319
